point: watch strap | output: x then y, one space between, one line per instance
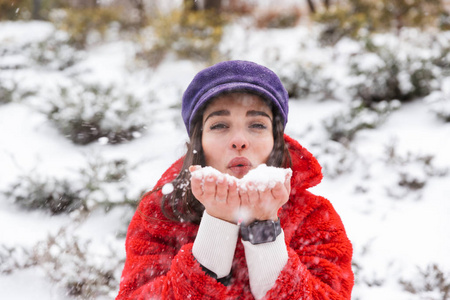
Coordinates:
224 280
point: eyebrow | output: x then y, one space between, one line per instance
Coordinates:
223 112
255 113
250 113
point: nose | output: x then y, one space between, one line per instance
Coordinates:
239 141
240 147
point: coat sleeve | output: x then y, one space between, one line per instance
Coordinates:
156 266
320 254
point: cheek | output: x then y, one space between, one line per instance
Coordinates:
209 146
265 147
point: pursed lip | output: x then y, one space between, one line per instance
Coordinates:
239 166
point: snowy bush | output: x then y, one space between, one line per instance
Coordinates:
108 183
390 70
37 192
412 171
301 78
86 113
54 52
343 127
13 259
6 92
335 158
11 91
49 49
101 184
440 105
442 49
85 272
431 283
439 101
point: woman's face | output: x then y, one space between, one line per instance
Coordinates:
237 133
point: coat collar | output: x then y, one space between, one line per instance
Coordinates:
306 171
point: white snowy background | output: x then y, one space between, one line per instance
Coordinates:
390 184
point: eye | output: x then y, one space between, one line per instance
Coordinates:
258 126
218 126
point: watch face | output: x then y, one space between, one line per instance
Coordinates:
262 232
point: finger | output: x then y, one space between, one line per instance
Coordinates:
253 194
196 187
265 197
287 183
194 168
221 189
243 196
279 192
233 194
209 187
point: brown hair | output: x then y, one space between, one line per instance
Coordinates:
181 205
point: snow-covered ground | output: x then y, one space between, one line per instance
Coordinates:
398 232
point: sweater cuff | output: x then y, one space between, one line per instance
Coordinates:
265 263
215 244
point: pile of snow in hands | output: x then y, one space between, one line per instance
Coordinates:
262 177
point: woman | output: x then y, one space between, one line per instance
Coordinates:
188 239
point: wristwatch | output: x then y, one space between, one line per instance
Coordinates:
260 232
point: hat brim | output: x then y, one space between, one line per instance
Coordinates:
231 87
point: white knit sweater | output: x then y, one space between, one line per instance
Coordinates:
215 245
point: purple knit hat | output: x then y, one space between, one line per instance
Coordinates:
233 76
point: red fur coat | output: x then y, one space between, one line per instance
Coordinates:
160 264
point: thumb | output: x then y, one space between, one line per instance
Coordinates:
194 168
287 182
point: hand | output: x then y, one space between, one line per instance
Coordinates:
263 205
219 196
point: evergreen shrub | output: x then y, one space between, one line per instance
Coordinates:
50 194
343 126
336 158
395 69
91 112
102 184
6 93
302 79
430 283
55 52
11 91
439 101
78 267
82 270
412 172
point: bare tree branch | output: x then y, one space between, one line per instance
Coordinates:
312 8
